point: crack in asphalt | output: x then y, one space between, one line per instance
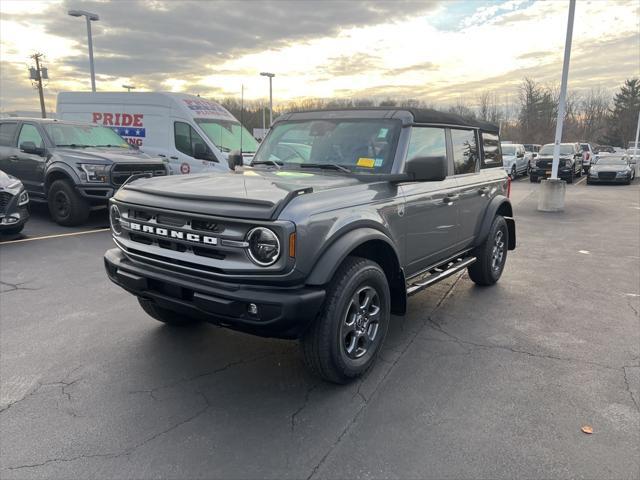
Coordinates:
127 451
303 406
628 386
363 406
17 286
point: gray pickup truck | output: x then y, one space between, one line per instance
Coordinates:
341 216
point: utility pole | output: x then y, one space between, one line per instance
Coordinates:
635 146
270 75
37 74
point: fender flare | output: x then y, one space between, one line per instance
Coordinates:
60 167
329 261
501 204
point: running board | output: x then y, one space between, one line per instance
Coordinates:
437 274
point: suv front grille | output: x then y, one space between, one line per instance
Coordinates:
122 171
607 175
5 198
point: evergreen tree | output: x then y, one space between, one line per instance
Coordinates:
624 117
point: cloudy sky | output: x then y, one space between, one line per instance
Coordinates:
439 51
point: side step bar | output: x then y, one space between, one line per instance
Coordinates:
440 273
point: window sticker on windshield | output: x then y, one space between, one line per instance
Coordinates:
366 162
378 162
383 133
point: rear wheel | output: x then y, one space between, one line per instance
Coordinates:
66 205
513 173
491 256
165 316
345 339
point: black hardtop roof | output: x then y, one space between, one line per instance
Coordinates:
420 115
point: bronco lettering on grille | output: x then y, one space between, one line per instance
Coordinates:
165 232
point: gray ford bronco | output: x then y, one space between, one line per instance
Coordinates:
340 217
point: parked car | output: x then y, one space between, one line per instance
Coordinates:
74 167
570 165
612 168
532 148
588 155
320 243
14 205
515 159
193 134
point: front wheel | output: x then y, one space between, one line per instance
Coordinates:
533 179
345 339
491 256
66 205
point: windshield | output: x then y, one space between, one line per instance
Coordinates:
226 135
363 145
565 149
611 161
67 135
508 149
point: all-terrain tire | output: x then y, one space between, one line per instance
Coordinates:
327 347
66 205
490 262
165 316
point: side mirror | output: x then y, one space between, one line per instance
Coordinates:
427 169
235 160
30 147
520 155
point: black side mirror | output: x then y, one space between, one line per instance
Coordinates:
30 147
235 160
427 169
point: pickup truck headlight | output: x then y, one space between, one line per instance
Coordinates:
95 173
23 199
264 246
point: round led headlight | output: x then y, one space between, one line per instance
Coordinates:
264 246
114 220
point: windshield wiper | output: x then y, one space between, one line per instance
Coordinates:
73 145
109 145
328 166
275 163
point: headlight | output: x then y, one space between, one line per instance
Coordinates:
593 172
264 246
95 173
114 220
624 173
23 199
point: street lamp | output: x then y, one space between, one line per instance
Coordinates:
270 75
90 17
129 87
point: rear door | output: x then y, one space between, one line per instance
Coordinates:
8 150
431 209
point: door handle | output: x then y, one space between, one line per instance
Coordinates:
173 158
449 199
483 191
13 158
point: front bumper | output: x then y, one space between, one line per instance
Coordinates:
617 179
282 312
563 172
14 218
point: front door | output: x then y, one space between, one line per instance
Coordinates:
431 208
182 160
30 166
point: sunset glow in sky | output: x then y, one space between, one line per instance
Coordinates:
437 51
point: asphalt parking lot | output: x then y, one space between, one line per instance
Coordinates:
472 383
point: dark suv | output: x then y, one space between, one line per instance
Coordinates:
73 166
341 216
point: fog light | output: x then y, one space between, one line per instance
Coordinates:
252 309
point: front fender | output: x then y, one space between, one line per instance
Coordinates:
58 168
329 261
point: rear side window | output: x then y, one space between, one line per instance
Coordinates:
465 151
186 137
492 153
427 142
7 133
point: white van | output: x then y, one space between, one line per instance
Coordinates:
192 134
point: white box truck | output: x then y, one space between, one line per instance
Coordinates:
191 134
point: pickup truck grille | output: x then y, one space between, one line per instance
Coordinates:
5 198
122 171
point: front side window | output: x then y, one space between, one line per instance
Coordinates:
465 151
29 133
186 138
492 154
427 142
82 136
366 146
7 133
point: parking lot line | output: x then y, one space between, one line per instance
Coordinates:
583 179
46 237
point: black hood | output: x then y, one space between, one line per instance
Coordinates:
106 155
247 193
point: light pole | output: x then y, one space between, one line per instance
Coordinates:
270 75
129 87
90 17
